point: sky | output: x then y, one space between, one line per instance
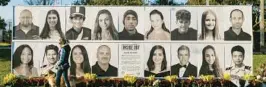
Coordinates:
6 12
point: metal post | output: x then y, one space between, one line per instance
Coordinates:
262 23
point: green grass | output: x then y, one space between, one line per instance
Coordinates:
257 61
5 63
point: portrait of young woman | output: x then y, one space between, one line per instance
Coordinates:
23 61
52 27
104 28
209 26
157 63
158 30
210 62
79 61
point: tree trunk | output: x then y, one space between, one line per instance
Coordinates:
262 23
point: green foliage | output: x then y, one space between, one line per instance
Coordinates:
39 2
2 24
7 36
115 2
224 2
258 60
4 2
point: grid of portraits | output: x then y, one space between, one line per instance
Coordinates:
142 41
141 62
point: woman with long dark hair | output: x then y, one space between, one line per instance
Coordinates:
23 61
52 27
157 64
79 61
104 28
210 62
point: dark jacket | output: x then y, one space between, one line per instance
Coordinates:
72 34
231 35
20 35
64 55
190 35
111 71
124 35
191 70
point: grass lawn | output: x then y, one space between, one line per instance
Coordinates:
257 61
5 63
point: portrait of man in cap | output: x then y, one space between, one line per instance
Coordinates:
26 30
130 21
78 32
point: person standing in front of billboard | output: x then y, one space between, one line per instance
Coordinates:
62 65
78 32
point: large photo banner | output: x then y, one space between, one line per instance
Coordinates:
141 41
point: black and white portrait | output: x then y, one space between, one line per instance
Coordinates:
157 23
26 23
211 59
239 57
104 59
49 59
183 60
131 23
79 60
26 59
184 23
52 26
238 26
157 57
105 23
209 24
76 29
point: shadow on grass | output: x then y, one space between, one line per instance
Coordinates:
5 54
5 63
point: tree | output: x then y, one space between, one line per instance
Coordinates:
39 2
4 2
115 2
81 2
262 30
225 2
2 24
